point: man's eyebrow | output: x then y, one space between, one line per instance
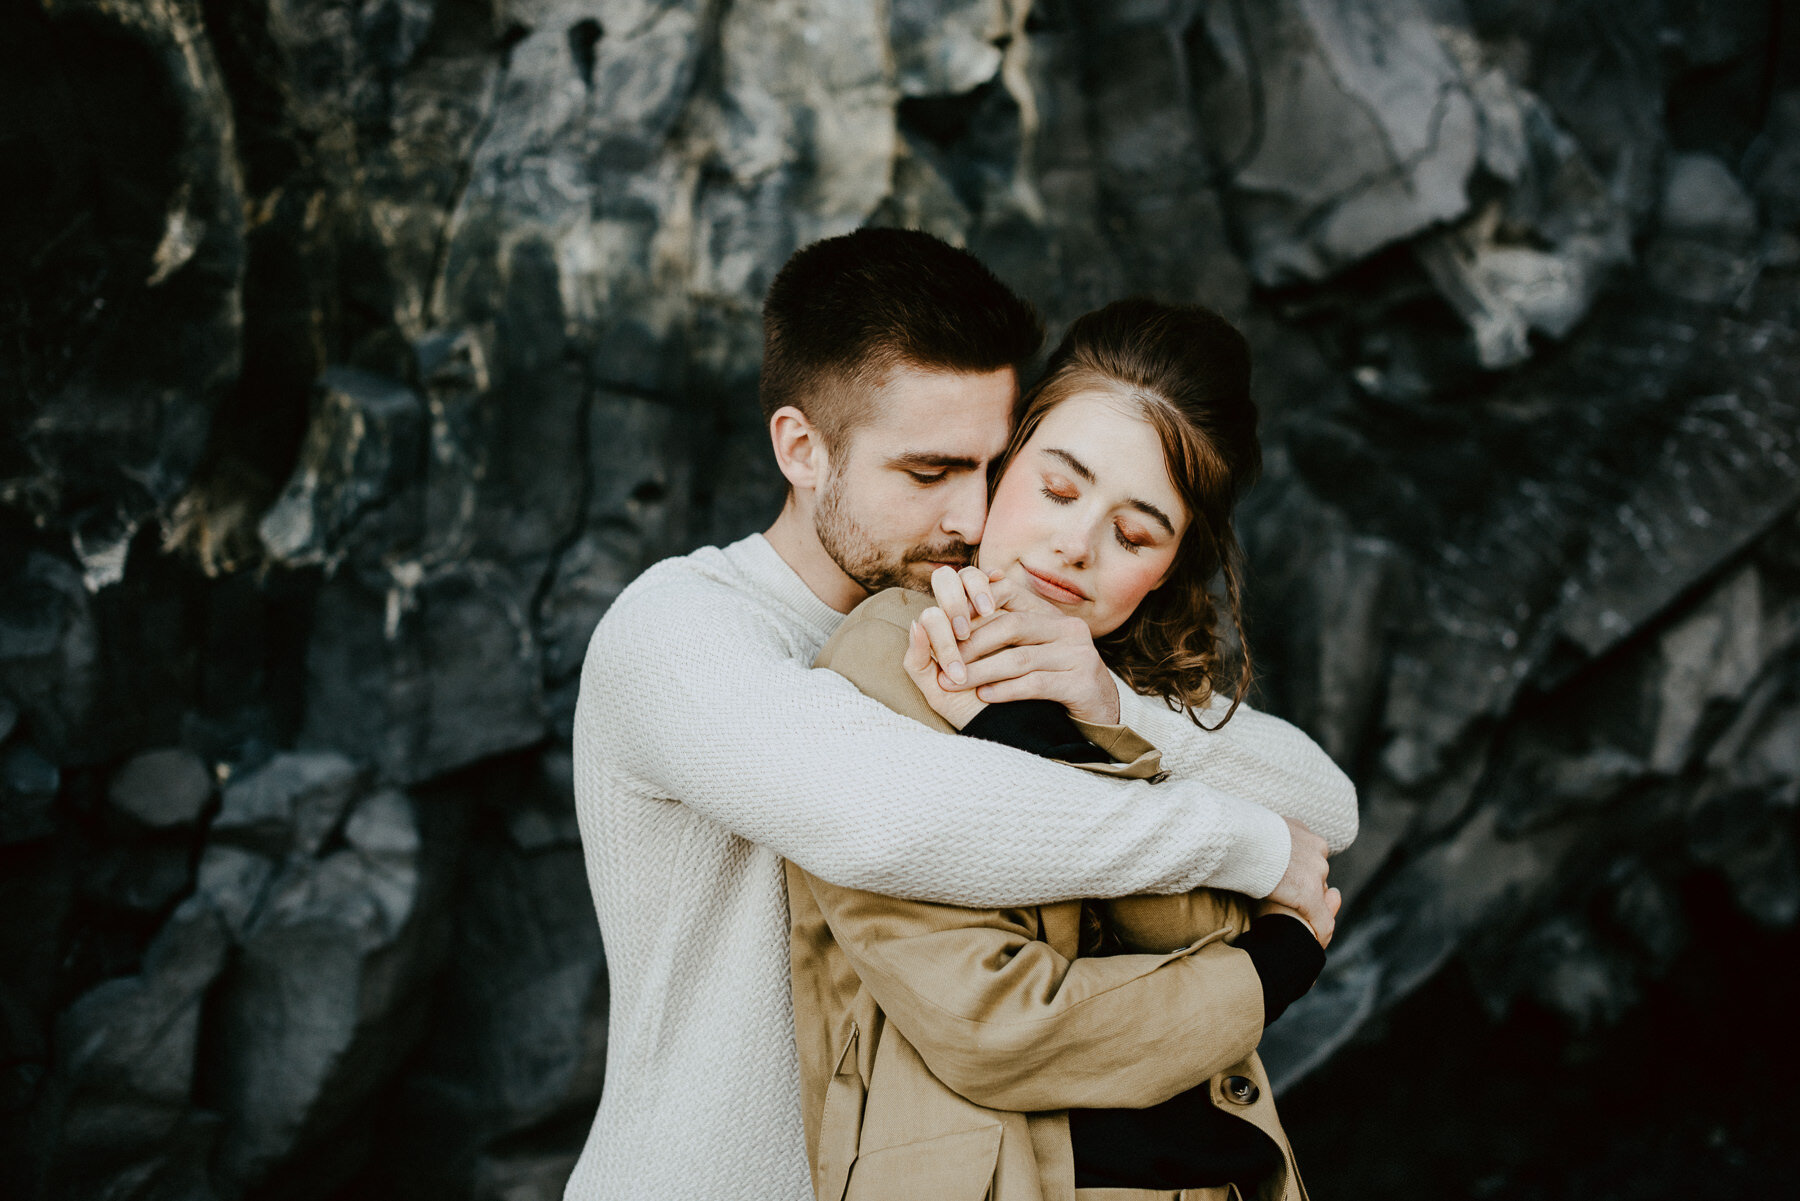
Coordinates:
1142 506
928 460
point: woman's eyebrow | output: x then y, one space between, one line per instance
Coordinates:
1142 506
1145 507
1075 464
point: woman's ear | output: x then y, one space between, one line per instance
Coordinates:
799 450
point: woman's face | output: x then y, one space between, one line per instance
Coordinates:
1085 515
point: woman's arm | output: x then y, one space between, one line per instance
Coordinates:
996 1013
1007 1022
1283 946
1156 925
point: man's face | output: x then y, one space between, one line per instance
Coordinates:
907 492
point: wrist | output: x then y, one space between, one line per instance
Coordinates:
1267 908
960 708
1101 706
1287 958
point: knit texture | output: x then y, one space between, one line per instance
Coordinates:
707 749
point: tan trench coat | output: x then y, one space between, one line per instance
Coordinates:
941 1047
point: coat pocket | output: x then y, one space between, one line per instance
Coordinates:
947 1167
840 1126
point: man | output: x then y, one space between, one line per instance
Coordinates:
706 751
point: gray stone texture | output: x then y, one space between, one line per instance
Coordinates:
162 788
125 1064
365 352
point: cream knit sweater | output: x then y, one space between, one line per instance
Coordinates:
707 749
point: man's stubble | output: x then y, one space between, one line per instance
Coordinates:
865 558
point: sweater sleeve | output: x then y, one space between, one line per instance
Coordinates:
704 703
1255 756
1282 949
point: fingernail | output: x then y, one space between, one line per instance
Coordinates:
956 673
984 604
961 626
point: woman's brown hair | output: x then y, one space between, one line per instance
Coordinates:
1187 370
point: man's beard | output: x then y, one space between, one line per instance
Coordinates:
864 559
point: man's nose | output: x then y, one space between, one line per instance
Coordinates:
966 514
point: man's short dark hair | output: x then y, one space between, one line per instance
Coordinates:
846 311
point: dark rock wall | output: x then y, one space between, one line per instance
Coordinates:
358 353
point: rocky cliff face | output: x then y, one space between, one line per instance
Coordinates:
359 353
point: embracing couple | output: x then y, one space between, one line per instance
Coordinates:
934 850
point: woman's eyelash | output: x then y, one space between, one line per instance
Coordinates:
1127 543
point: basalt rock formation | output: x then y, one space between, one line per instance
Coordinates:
360 353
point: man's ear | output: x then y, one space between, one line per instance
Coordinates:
799 449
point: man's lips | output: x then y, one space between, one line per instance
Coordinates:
1053 588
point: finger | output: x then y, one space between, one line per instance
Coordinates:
917 659
1065 638
1007 628
943 645
1032 686
1010 594
947 589
1334 900
979 588
1000 630
1007 664
1318 915
1324 929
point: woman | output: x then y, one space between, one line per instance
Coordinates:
1101 1046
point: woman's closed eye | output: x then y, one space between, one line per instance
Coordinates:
1130 539
1058 491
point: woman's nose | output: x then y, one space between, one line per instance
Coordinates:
1072 543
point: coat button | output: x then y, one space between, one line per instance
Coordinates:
1241 1090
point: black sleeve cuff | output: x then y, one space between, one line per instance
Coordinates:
1040 727
1286 956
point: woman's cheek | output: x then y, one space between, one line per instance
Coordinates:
1147 575
1131 581
1018 512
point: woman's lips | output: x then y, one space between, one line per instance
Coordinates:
1054 589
